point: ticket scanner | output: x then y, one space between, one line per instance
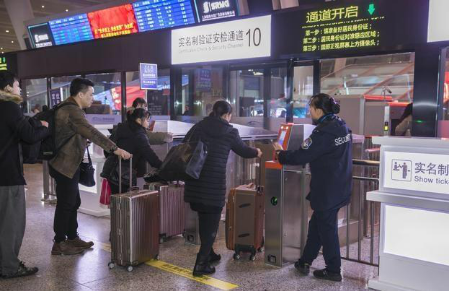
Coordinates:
286 211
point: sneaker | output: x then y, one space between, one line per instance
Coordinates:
79 243
65 248
324 274
22 271
302 267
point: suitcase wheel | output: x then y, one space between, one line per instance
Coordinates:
130 268
111 265
236 256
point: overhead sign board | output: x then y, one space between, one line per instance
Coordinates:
148 76
438 29
416 172
40 35
216 9
232 40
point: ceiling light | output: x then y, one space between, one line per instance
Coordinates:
43 6
12 41
7 31
67 10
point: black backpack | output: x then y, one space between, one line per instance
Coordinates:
48 149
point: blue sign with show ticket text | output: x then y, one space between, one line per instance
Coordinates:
149 76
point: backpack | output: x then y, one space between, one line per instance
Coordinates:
48 149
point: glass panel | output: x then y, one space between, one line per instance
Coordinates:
158 100
36 92
204 85
277 102
370 76
445 90
246 92
303 90
62 83
107 94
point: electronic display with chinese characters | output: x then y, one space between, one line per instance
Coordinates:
71 29
113 21
158 14
360 25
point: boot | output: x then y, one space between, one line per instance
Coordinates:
65 248
213 257
324 274
202 266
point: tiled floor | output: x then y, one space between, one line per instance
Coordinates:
90 272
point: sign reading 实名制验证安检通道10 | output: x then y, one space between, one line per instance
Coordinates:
416 171
232 40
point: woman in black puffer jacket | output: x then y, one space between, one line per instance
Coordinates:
132 136
207 194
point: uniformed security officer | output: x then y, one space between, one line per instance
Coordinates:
329 153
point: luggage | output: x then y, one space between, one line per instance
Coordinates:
244 220
172 208
134 226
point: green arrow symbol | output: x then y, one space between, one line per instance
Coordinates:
371 9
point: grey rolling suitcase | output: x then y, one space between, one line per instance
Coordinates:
134 226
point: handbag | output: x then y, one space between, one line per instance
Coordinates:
184 161
105 195
87 172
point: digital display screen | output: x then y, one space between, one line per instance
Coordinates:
113 21
438 29
216 9
158 14
332 28
40 35
71 29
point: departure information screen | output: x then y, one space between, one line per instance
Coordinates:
71 29
158 14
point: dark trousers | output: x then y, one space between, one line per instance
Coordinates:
323 231
208 223
12 227
65 223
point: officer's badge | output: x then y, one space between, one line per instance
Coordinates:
306 143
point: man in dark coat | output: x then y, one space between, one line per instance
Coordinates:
329 153
13 128
206 195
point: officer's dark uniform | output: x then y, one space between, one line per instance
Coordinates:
329 153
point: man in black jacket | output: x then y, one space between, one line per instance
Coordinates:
13 128
329 153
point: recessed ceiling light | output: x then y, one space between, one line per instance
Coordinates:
67 10
12 41
7 31
43 6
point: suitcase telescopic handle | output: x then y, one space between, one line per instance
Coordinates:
120 173
258 182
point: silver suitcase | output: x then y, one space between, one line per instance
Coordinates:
172 209
135 223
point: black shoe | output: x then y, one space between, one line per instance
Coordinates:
327 275
202 266
213 257
302 267
22 271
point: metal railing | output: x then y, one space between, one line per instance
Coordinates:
367 214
